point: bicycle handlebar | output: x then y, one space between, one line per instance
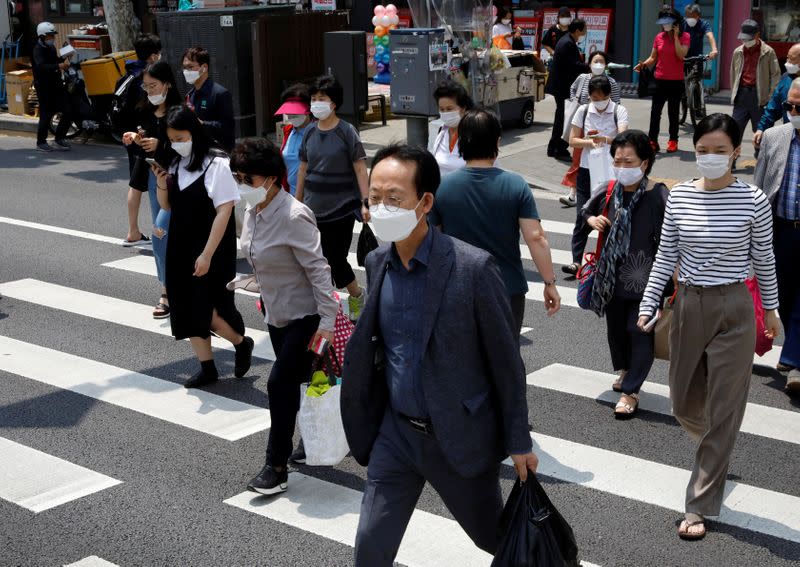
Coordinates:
695 58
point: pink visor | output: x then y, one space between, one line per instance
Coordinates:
293 106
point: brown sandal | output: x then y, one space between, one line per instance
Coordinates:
161 310
686 525
625 410
617 385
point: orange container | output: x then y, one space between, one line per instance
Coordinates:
101 74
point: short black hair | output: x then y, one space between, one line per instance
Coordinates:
197 54
184 118
298 91
450 89
721 122
564 12
329 86
602 54
146 45
640 142
426 177
501 13
258 156
577 24
478 133
600 83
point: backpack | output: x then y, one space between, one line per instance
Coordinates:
123 102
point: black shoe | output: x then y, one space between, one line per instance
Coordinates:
563 156
244 357
571 269
269 481
201 379
299 455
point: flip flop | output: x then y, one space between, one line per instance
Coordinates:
685 535
128 243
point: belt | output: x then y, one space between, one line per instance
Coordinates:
422 425
788 223
721 288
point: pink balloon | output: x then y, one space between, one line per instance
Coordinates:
391 9
379 10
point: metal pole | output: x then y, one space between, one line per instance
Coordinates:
417 131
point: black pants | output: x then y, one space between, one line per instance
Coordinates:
49 105
557 144
787 243
292 367
631 349
518 310
746 109
581 232
402 459
669 92
336 237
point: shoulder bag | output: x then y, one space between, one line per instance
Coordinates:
586 273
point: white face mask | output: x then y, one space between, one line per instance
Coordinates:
628 175
393 226
564 21
600 105
795 120
666 27
749 44
713 166
155 100
191 76
598 68
450 119
791 68
321 109
296 120
691 22
505 22
183 149
252 196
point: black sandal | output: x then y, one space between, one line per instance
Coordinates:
571 269
162 308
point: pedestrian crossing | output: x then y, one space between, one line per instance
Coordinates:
319 507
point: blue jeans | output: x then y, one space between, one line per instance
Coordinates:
160 219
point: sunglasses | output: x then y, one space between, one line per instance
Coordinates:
788 107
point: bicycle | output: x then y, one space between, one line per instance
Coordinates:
693 101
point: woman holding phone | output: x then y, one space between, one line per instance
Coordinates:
158 94
715 228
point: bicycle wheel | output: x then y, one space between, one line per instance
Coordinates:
73 131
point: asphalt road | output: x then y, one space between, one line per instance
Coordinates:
619 484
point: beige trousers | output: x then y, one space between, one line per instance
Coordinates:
712 340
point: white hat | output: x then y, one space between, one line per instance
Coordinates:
45 28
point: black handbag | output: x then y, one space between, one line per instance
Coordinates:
366 244
647 82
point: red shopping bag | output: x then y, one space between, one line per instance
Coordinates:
763 343
342 330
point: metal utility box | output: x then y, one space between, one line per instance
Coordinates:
227 35
420 60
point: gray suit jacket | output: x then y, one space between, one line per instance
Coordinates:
772 160
472 373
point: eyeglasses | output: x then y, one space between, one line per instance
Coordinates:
789 106
243 178
392 204
150 87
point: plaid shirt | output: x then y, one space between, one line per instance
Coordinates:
789 194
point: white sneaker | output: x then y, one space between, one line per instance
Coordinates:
568 200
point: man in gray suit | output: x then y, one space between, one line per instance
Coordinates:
778 175
433 386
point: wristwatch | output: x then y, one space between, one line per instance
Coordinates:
549 282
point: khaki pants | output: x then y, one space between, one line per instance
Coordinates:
712 341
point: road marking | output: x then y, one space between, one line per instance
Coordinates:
112 310
38 481
764 421
92 561
68 232
770 358
195 409
749 507
331 511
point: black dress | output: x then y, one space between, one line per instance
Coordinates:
193 299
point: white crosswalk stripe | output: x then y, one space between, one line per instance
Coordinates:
92 561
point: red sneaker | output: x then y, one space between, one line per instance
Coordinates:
672 146
655 146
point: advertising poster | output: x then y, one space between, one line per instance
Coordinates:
323 5
530 22
439 54
598 26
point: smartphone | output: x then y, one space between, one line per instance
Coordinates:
652 322
151 161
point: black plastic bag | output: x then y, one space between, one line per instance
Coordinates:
366 244
647 83
532 532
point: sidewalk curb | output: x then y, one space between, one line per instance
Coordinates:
14 123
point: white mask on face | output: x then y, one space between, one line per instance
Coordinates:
792 68
450 119
183 149
393 226
666 27
191 76
506 22
691 22
155 100
600 105
598 68
713 166
321 109
749 44
252 196
296 120
564 21
628 175
795 120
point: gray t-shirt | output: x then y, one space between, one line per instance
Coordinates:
331 189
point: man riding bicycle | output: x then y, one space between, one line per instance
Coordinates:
698 29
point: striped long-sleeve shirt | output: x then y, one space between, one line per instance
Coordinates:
712 236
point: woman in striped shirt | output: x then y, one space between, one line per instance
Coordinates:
714 228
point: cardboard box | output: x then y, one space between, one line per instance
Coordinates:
18 85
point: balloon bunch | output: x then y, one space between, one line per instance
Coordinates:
385 19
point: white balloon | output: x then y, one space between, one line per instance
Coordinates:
386 20
376 21
395 20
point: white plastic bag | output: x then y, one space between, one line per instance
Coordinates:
321 428
600 168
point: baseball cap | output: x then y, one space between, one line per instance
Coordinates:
293 106
748 30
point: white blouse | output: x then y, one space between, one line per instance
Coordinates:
448 161
220 184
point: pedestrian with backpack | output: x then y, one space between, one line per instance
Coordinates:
128 93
